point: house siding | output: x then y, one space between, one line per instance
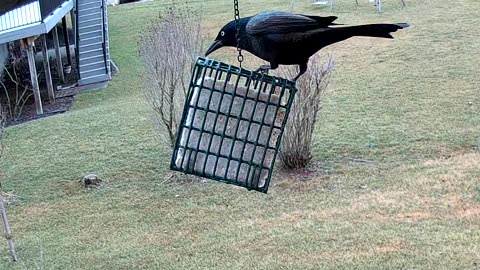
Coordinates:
3 58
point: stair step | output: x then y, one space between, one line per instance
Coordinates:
90 34
90 28
92 66
94 79
92 59
94 71
91 53
84 23
92 46
89 1
90 40
89 16
84 33
88 10
83 6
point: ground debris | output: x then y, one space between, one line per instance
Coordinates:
10 198
91 180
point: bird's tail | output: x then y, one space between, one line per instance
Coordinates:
376 30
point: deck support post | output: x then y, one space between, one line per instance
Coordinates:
33 76
59 56
46 66
67 41
74 25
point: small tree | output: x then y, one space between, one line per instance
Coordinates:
296 148
168 49
3 211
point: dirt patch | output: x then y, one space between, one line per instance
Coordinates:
313 172
70 187
313 177
182 179
60 105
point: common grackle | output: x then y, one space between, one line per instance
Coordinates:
283 38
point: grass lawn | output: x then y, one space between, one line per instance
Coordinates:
398 140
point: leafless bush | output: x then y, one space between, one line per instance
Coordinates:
296 148
16 87
168 49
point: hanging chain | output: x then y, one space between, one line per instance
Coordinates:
238 36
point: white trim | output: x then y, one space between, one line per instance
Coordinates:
21 16
57 16
39 28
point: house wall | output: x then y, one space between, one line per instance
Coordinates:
3 57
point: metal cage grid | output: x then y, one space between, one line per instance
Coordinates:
232 124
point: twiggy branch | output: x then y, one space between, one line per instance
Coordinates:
168 49
6 226
296 149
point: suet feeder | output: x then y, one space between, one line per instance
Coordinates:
232 124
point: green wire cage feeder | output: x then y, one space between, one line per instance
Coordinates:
232 124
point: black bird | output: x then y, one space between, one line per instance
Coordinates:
283 38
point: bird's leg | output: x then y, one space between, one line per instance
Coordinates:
303 69
263 69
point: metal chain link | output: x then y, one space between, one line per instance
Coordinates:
238 36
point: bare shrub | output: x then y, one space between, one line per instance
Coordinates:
168 50
15 85
296 148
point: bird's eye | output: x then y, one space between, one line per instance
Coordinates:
222 34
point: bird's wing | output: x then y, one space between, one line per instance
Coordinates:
277 22
324 21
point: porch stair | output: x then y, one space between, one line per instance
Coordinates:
92 43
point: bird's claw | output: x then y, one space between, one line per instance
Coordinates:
263 69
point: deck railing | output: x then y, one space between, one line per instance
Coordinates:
30 13
48 6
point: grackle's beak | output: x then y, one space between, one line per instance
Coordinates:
217 44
